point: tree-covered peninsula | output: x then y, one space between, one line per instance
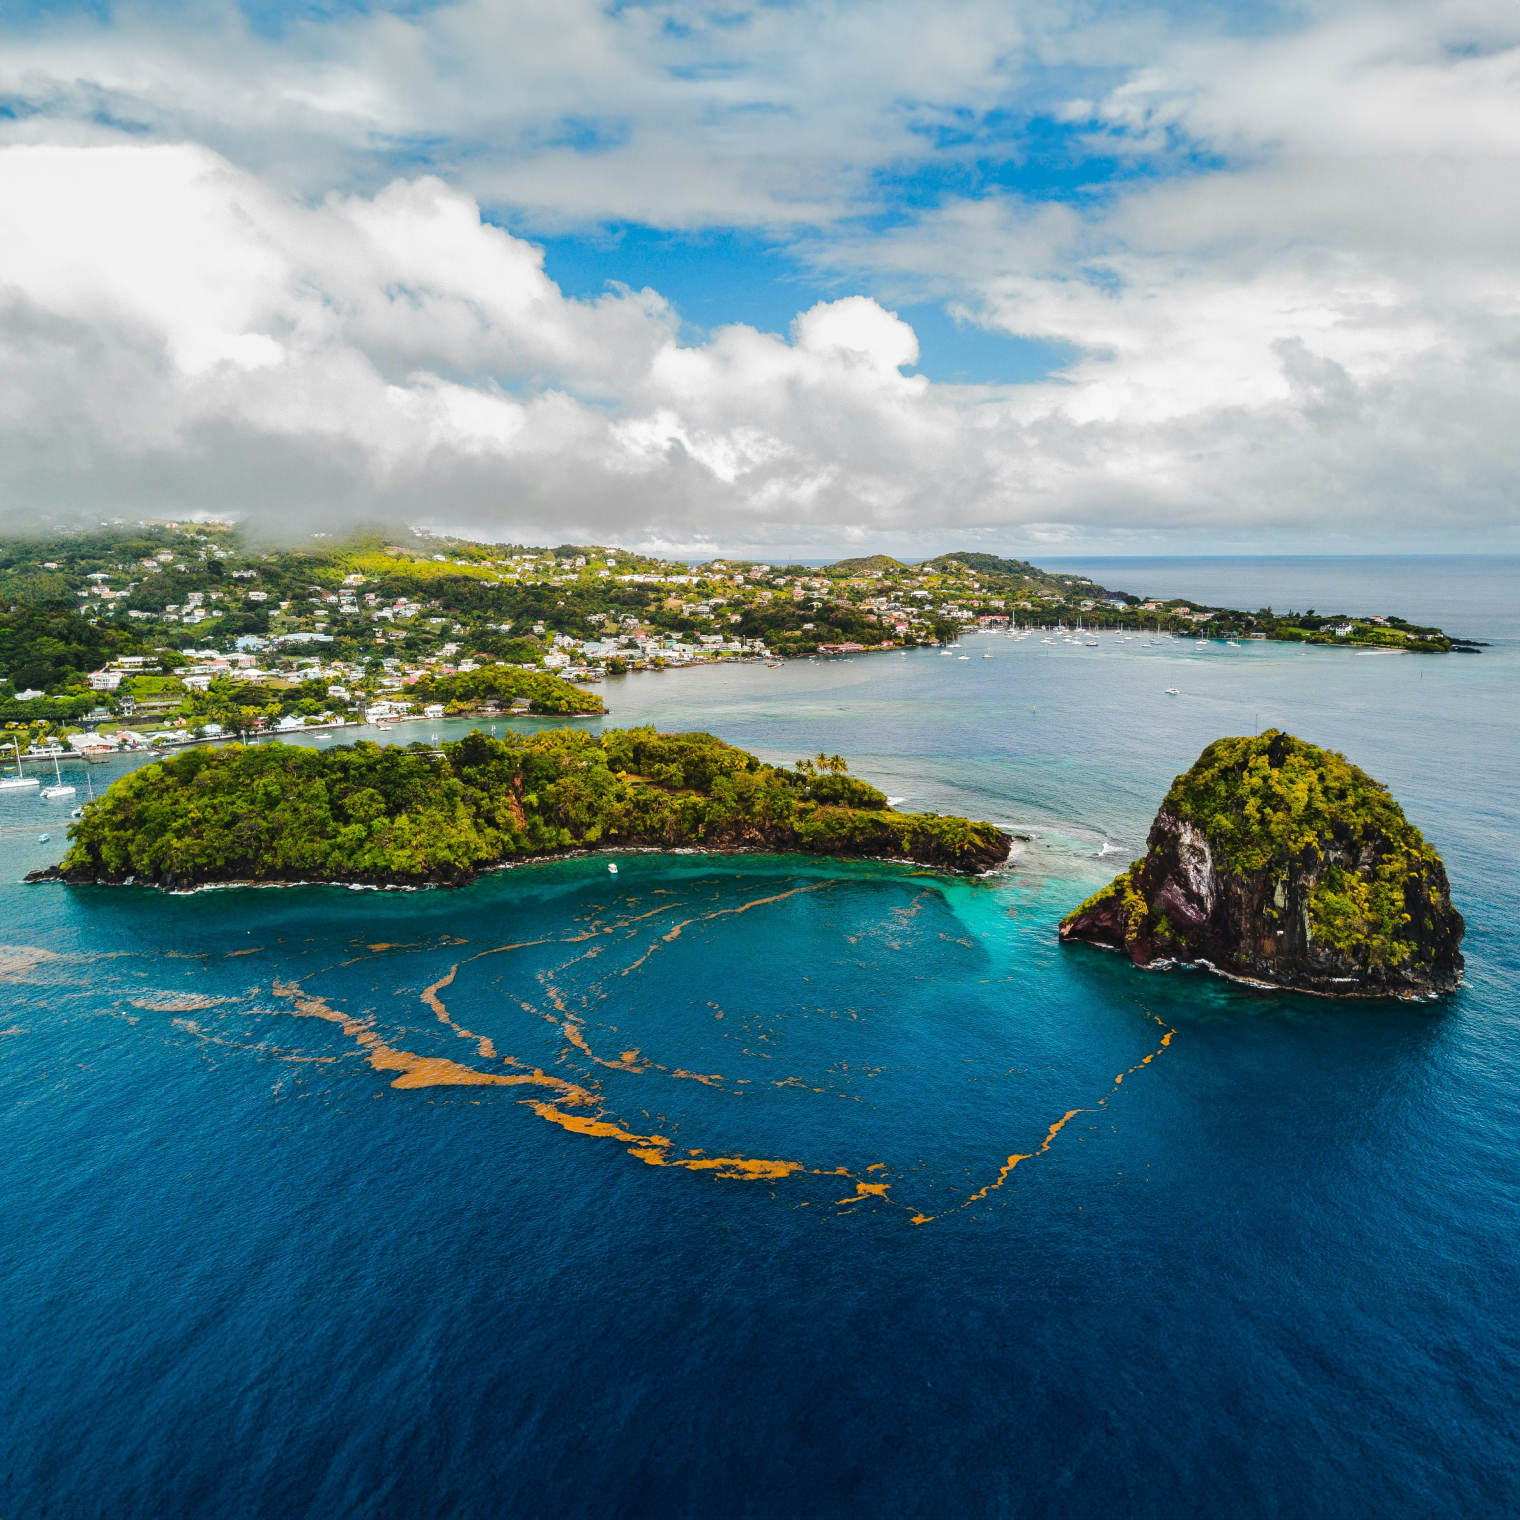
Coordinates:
1283 863
384 815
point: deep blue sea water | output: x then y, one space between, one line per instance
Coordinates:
1271 1272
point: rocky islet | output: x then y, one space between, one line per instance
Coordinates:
1281 863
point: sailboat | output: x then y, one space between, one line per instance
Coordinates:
60 788
79 811
20 779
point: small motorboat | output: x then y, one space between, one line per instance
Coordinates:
612 868
1172 691
42 839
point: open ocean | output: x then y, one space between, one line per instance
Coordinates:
790 1272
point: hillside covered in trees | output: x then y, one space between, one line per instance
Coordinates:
414 816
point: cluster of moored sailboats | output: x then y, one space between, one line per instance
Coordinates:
1088 638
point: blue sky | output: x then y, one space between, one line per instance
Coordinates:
721 276
717 275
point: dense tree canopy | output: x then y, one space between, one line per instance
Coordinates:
43 644
387 814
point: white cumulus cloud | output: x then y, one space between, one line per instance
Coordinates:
177 336
250 274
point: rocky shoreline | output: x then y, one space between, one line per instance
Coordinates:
182 884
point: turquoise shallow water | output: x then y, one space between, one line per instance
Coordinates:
1271 1272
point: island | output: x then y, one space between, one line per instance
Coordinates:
1282 864
139 634
383 815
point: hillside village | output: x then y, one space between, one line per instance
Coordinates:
144 633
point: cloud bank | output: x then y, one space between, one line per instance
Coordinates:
1289 288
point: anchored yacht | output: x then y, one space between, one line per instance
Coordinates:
20 779
60 788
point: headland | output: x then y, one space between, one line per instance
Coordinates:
378 815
